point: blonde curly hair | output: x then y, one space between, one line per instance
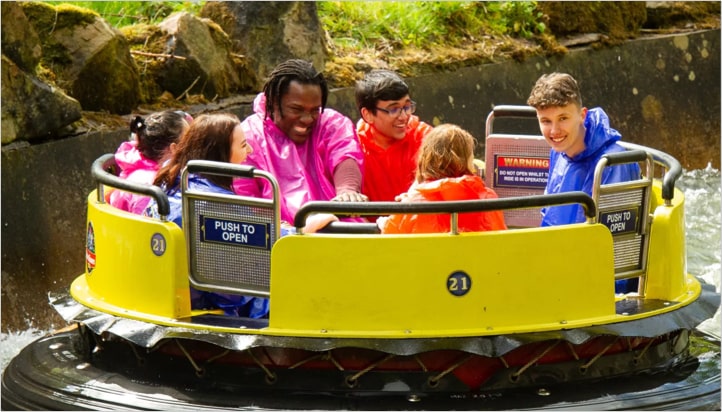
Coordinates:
446 151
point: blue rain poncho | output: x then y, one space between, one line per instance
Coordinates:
569 174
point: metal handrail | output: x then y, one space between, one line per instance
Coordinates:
100 171
672 169
450 207
503 110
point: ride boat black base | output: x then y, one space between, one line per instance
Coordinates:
57 372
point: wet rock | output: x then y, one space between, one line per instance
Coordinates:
693 15
31 109
20 43
205 64
90 59
617 20
268 33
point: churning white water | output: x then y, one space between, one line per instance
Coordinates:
703 213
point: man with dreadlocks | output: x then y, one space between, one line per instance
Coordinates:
312 151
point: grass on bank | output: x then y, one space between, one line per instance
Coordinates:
357 25
363 24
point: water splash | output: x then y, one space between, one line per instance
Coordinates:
11 343
703 214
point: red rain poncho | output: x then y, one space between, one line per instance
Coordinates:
389 172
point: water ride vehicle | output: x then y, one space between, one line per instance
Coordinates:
525 318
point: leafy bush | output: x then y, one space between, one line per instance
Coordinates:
522 18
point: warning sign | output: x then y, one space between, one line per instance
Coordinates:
521 171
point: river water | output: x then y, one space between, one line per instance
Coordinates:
703 213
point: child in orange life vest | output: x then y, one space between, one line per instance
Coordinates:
445 171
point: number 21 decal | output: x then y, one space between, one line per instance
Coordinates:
458 283
157 244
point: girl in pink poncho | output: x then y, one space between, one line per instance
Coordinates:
138 159
312 151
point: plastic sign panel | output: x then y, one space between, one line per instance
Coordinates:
521 171
620 221
233 232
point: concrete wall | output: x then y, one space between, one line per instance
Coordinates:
662 92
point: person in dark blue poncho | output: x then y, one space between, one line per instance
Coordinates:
217 137
578 138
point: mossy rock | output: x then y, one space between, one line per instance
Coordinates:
149 44
618 21
20 43
695 14
99 72
47 18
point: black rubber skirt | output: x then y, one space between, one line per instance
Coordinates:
52 374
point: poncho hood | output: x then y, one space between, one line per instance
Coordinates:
130 159
599 135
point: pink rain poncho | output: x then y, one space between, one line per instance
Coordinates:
137 168
304 171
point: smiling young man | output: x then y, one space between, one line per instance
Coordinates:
578 137
389 133
311 150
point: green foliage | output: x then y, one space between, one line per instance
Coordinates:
126 13
369 24
365 24
421 23
522 18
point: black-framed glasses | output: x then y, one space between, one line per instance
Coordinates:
409 109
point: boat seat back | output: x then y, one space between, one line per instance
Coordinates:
229 237
624 208
516 164
134 263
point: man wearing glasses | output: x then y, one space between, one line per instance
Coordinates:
310 149
389 133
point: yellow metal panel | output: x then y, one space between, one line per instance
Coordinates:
140 264
667 259
521 280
